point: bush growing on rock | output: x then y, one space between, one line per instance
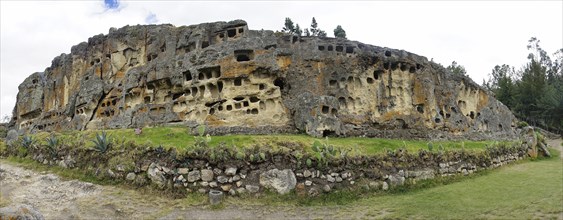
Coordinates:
102 143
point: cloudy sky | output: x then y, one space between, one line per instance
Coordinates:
476 34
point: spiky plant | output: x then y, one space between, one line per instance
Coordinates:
102 143
52 145
28 142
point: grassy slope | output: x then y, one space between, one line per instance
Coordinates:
526 190
180 138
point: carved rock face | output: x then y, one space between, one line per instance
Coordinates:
236 80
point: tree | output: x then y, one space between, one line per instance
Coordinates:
288 26
315 31
456 69
298 30
307 33
339 32
501 84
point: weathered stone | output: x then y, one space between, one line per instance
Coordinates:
232 192
11 137
217 171
281 180
396 180
194 176
183 170
222 179
307 173
329 178
385 186
239 183
338 179
314 192
241 191
213 184
156 175
252 188
235 178
202 190
374 185
308 183
130 176
155 70
231 171
21 211
207 175
326 188
226 187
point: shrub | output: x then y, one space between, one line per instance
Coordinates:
102 143
28 142
52 145
522 124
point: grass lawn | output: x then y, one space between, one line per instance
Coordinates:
180 138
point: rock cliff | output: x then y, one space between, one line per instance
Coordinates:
237 80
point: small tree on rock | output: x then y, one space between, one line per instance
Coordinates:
288 27
298 30
339 32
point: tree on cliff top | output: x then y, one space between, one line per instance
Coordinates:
339 32
288 26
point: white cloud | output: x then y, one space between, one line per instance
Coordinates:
478 34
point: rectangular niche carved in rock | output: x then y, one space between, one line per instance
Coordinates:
244 55
209 72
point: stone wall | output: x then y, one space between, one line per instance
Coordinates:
237 80
282 172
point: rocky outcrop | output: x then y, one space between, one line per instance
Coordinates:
237 80
20 212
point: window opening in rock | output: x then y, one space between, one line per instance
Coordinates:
261 86
453 109
330 48
386 66
370 80
325 109
229 107
437 120
220 86
187 75
245 103
254 99
448 115
339 48
420 108
220 108
412 69
238 98
208 75
194 91
377 73
403 67
147 99
327 133
332 82
237 106
349 49
394 65
238 82
388 53
201 76
240 30
321 48
212 111
262 105
472 115
231 32
244 55
334 111
254 111
279 82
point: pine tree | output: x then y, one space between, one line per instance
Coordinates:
298 30
307 33
314 29
339 32
288 28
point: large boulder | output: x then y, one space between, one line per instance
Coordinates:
11 137
156 175
534 143
21 211
282 181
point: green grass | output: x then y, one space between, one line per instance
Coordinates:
181 139
527 189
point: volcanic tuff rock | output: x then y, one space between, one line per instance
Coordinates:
236 80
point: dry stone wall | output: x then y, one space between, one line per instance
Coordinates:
237 80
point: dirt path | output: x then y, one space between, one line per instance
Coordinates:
556 144
59 199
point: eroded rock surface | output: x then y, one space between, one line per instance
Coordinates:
237 80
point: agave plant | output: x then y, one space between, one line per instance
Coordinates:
28 141
52 145
102 143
